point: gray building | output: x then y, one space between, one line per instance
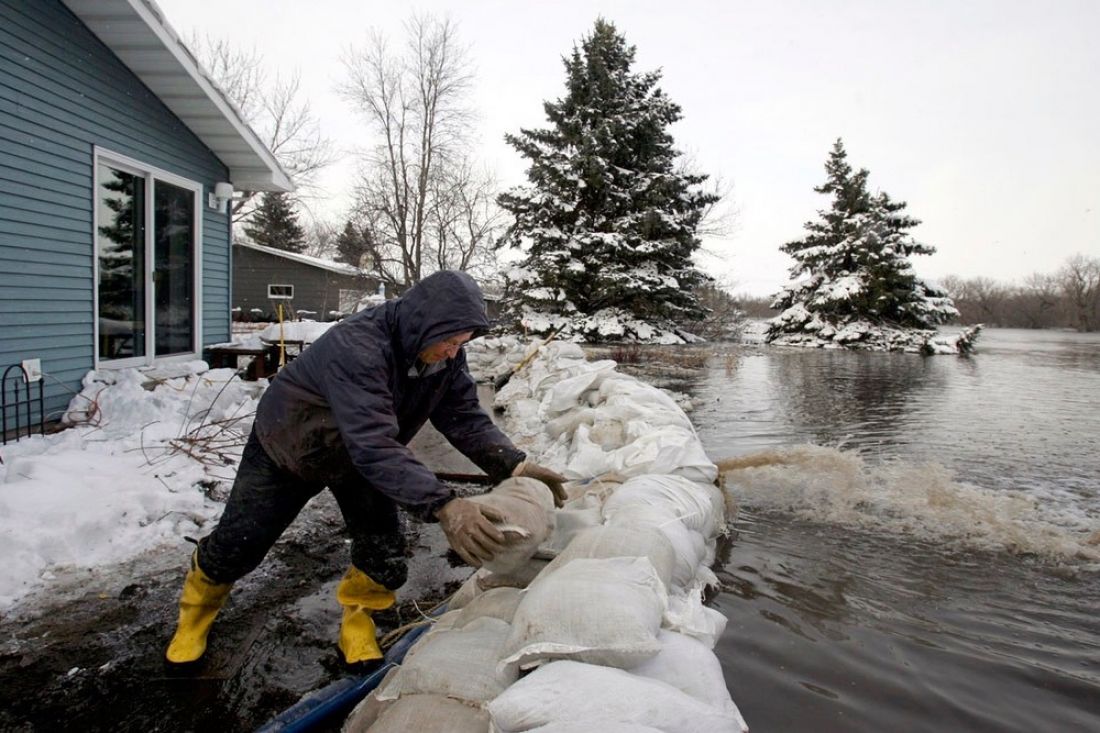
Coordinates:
306 287
117 157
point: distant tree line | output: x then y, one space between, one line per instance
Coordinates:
1068 298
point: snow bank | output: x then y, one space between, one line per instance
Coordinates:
131 474
798 326
614 626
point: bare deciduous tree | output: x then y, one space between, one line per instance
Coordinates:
418 196
320 239
983 298
1080 279
464 221
274 108
1038 300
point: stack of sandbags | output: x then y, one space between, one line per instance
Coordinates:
612 634
490 357
444 683
592 420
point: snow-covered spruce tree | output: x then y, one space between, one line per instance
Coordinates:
351 244
606 224
275 224
858 288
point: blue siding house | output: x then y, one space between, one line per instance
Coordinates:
117 156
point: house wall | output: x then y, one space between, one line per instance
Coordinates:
315 288
61 93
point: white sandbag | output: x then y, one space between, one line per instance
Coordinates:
604 611
429 713
666 449
528 508
688 544
567 393
498 603
363 715
642 399
447 620
568 523
572 692
687 615
567 423
519 577
688 665
699 506
618 541
482 580
458 663
465 593
609 434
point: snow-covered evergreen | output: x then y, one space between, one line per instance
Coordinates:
607 223
857 287
351 244
275 224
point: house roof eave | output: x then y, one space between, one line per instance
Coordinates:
138 34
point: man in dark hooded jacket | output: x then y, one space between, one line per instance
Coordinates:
341 415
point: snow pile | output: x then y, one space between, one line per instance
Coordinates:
371 299
130 475
614 626
606 324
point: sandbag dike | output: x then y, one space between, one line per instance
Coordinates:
594 619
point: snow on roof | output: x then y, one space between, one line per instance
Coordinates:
337 267
138 34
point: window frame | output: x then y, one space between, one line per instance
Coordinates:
150 174
280 297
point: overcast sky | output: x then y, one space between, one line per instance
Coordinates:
983 115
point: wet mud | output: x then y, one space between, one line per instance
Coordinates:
95 663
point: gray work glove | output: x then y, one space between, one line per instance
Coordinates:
551 478
470 531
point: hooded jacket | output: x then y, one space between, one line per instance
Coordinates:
355 398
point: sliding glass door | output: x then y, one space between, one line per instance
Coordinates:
147 240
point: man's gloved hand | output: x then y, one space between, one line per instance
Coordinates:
551 478
470 530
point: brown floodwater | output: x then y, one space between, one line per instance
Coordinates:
922 553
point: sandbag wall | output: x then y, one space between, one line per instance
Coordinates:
596 620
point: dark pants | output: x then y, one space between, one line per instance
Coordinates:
266 499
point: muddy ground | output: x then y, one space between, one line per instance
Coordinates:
87 655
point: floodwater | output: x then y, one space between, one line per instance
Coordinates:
920 550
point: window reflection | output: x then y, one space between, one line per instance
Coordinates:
121 240
173 244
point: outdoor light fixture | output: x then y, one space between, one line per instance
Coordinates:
223 194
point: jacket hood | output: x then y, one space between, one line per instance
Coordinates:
438 307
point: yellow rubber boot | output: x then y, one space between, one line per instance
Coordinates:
200 602
359 595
